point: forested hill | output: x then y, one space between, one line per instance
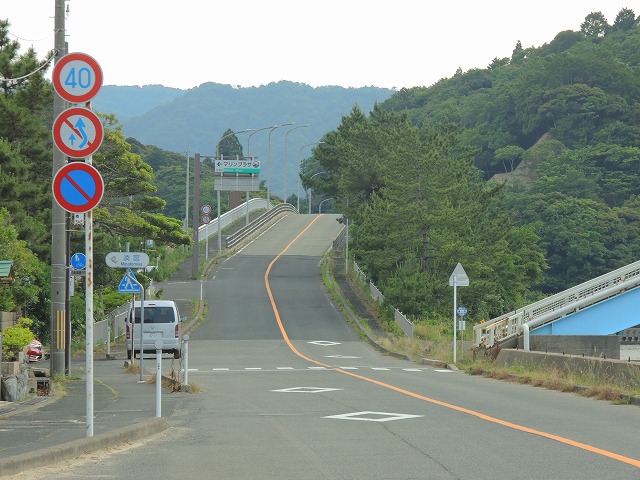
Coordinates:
174 119
561 124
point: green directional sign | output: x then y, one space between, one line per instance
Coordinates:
237 166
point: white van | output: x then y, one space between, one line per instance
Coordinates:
161 322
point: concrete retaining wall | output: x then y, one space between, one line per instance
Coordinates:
588 367
603 346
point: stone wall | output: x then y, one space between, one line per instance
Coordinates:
7 319
15 386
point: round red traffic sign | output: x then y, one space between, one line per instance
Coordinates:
78 187
77 132
77 77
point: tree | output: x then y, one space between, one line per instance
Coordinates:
509 156
625 20
594 25
29 272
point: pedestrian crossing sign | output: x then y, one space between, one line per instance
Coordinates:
127 284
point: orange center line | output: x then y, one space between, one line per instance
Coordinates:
488 418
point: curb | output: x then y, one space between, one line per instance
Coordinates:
47 456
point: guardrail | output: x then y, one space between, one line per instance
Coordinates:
552 308
227 218
258 223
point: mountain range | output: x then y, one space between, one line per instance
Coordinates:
194 120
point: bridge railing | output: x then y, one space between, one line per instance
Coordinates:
501 328
227 218
258 223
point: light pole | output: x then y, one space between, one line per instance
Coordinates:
186 210
269 162
286 173
255 130
319 173
320 206
299 162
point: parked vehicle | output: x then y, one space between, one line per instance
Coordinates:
161 322
34 351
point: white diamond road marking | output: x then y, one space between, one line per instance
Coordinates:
324 343
340 356
306 390
373 416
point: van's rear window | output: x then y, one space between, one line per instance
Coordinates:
156 315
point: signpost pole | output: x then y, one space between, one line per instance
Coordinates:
457 279
77 78
455 308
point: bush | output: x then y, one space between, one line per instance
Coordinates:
15 338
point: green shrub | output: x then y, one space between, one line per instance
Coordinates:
15 338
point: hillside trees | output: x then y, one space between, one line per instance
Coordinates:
418 207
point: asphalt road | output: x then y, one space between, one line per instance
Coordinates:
287 390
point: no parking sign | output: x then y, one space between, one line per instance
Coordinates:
78 187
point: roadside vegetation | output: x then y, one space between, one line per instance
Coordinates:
434 341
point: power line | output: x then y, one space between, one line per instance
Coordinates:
44 65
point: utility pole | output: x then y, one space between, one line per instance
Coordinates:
58 224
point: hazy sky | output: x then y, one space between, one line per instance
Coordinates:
350 43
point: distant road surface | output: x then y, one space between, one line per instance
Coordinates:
288 391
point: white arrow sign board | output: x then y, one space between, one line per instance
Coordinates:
127 259
459 277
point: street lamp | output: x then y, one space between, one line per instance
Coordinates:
319 173
299 162
286 173
186 210
320 206
269 162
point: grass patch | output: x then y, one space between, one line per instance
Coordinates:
433 339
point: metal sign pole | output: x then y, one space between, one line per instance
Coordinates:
455 307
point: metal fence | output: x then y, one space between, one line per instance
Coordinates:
114 322
400 318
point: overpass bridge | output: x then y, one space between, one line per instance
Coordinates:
606 305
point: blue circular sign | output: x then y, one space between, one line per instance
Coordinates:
462 311
79 261
78 187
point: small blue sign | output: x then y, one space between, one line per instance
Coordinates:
127 284
79 261
462 311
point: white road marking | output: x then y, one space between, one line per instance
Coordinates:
373 416
306 390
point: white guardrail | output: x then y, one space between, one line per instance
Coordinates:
226 219
552 308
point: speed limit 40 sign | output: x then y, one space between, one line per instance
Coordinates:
77 77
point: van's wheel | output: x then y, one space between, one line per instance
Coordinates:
177 354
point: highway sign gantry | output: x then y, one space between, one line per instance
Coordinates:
78 187
77 77
77 132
